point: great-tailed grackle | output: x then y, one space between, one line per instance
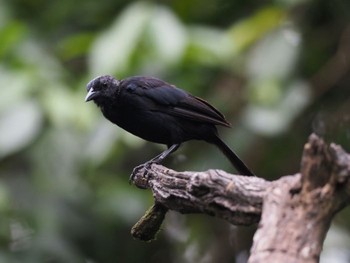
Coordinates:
160 112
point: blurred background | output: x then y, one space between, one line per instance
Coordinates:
278 70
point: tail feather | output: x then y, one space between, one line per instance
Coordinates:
232 156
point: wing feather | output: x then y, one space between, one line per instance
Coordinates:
174 101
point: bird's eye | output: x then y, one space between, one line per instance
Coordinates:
131 87
104 84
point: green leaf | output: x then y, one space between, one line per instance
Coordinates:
76 45
246 32
10 35
168 36
112 50
275 56
19 125
207 45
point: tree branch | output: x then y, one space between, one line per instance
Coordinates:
294 211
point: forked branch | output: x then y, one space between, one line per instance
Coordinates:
294 212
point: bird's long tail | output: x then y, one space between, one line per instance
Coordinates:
232 156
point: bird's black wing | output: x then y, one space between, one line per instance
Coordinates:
196 108
177 102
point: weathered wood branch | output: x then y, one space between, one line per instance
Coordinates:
294 211
296 217
237 199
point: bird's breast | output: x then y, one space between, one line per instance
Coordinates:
148 125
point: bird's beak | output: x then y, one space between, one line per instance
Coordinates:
91 95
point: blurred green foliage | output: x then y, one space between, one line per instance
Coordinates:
278 69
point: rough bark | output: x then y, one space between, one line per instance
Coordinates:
294 212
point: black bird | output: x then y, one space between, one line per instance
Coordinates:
160 112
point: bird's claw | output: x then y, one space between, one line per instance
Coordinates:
141 179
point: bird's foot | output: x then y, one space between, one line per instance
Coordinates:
139 175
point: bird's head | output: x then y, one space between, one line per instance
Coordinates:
101 88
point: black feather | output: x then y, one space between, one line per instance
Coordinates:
160 112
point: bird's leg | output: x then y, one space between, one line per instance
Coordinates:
158 159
